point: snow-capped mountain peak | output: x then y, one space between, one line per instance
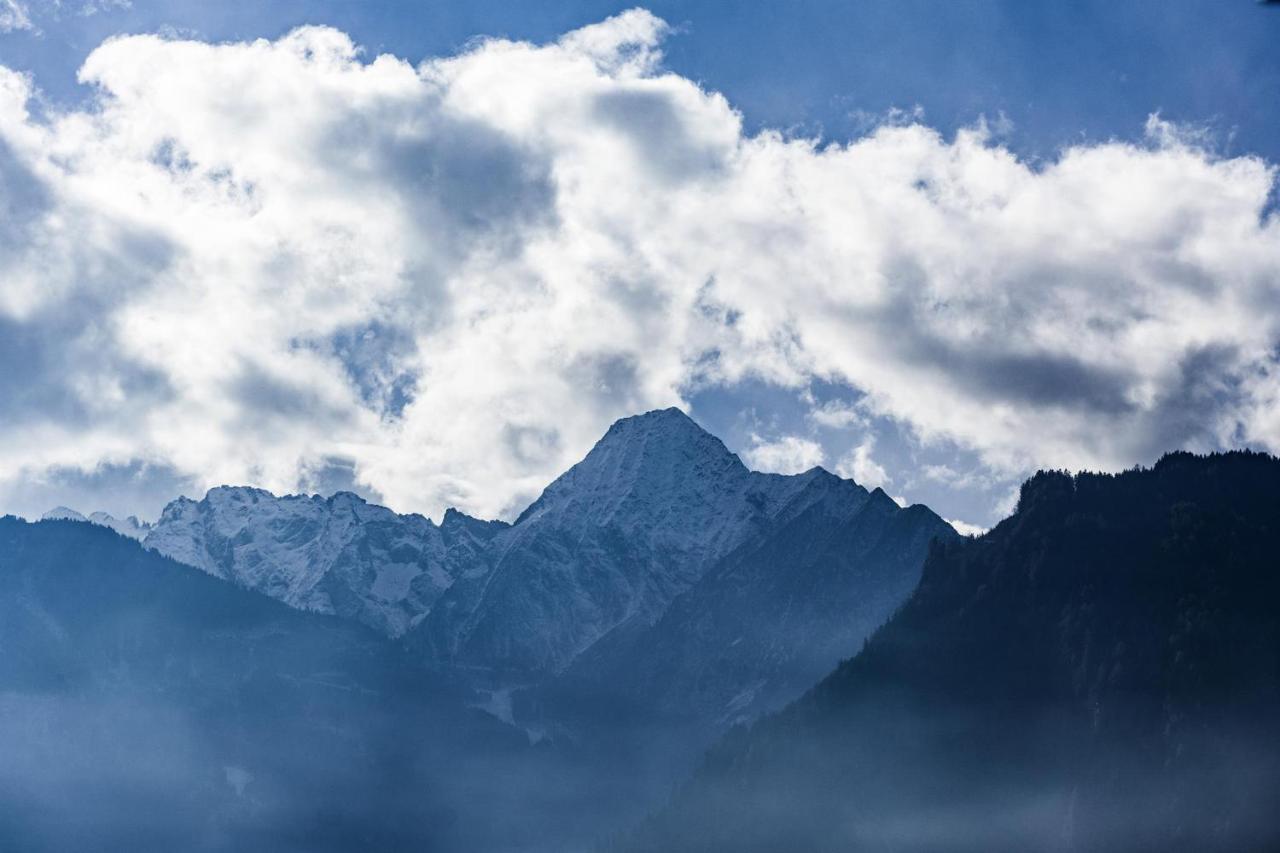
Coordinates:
63 513
642 466
130 526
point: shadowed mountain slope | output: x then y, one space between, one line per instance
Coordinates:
147 706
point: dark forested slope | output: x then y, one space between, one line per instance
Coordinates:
1099 672
147 706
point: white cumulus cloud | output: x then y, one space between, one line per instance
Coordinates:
270 261
790 454
964 528
863 469
14 15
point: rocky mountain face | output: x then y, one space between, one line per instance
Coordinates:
770 618
338 555
1100 672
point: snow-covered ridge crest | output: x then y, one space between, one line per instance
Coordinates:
130 526
339 555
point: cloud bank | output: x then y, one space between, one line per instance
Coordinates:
290 264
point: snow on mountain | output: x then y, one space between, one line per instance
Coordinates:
339 555
63 513
131 526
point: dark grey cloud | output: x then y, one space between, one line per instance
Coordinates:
610 379
50 358
1209 386
462 181
24 199
330 474
989 367
659 134
271 402
531 445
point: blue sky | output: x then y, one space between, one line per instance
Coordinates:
783 391
1061 72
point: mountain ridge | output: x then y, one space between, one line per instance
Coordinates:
657 509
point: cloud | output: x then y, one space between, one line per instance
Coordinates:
14 15
859 466
964 528
835 414
93 7
250 262
790 454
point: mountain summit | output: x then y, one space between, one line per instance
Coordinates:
641 462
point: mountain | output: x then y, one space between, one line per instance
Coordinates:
338 555
765 622
63 513
1099 672
659 592
721 591
147 706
